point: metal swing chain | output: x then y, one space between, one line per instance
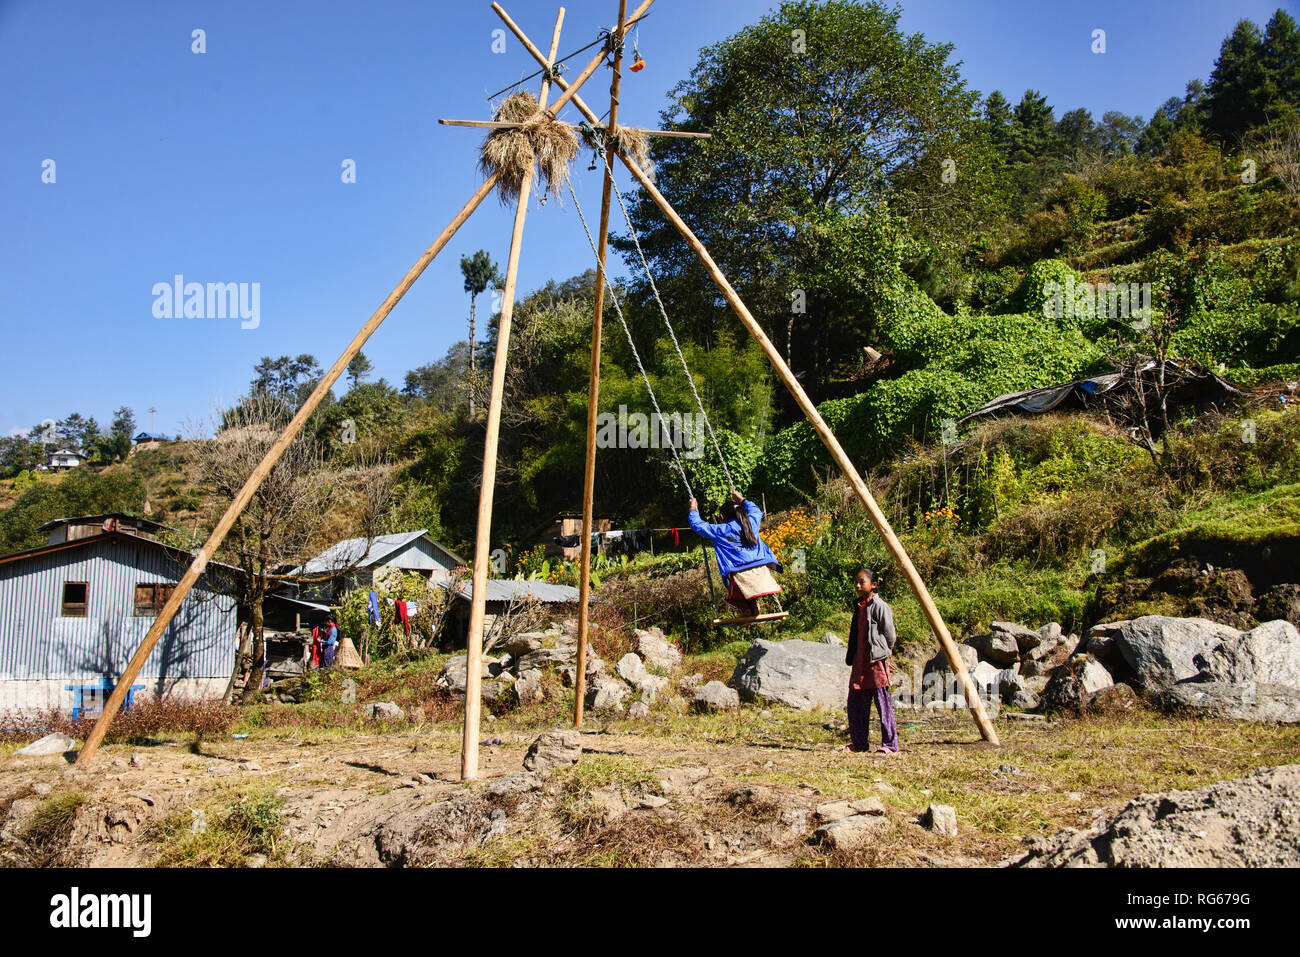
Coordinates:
676 345
672 446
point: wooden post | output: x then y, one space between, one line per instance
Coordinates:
593 388
263 469
483 534
837 453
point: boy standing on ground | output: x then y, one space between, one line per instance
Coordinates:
871 641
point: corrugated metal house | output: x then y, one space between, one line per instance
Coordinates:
73 612
357 560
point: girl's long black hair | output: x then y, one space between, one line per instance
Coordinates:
747 534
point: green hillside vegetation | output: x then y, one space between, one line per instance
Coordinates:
932 237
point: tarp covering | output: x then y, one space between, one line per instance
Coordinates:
1186 386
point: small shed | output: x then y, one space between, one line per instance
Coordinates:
503 595
85 526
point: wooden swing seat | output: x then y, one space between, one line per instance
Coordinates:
753 620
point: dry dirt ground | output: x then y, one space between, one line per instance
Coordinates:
720 790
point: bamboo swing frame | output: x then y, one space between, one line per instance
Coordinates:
473 704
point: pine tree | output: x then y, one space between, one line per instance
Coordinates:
1033 131
997 117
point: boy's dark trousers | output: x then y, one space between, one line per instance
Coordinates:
859 708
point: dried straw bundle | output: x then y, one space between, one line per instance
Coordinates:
632 143
635 145
538 142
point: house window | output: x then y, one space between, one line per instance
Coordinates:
150 598
74 599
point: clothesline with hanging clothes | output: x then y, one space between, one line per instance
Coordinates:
634 539
403 611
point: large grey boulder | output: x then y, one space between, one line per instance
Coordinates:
1055 651
631 669
715 696
554 749
606 693
1245 701
452 677
528 689
385 711
497 693
1018 691
54 743
1162 651
563 652
799 674
1027 639
655 650
1072 684
1268 654
848 833
997 647
969 656
987 677
521 644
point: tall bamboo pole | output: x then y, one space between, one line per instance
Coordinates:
259 474
837 453
593 388
483 534
937 626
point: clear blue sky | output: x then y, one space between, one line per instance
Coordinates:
225 166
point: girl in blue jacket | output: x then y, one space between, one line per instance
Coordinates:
744 560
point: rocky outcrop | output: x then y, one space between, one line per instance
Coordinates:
1246 822
656 651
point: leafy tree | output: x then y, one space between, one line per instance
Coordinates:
1155 137
81 492
90 436
116 444
1232 99
441 383
480 272
802 125
1256 76
1078 132
18 454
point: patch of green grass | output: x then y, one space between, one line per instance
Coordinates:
595 772
222 833
1232 528
46 835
